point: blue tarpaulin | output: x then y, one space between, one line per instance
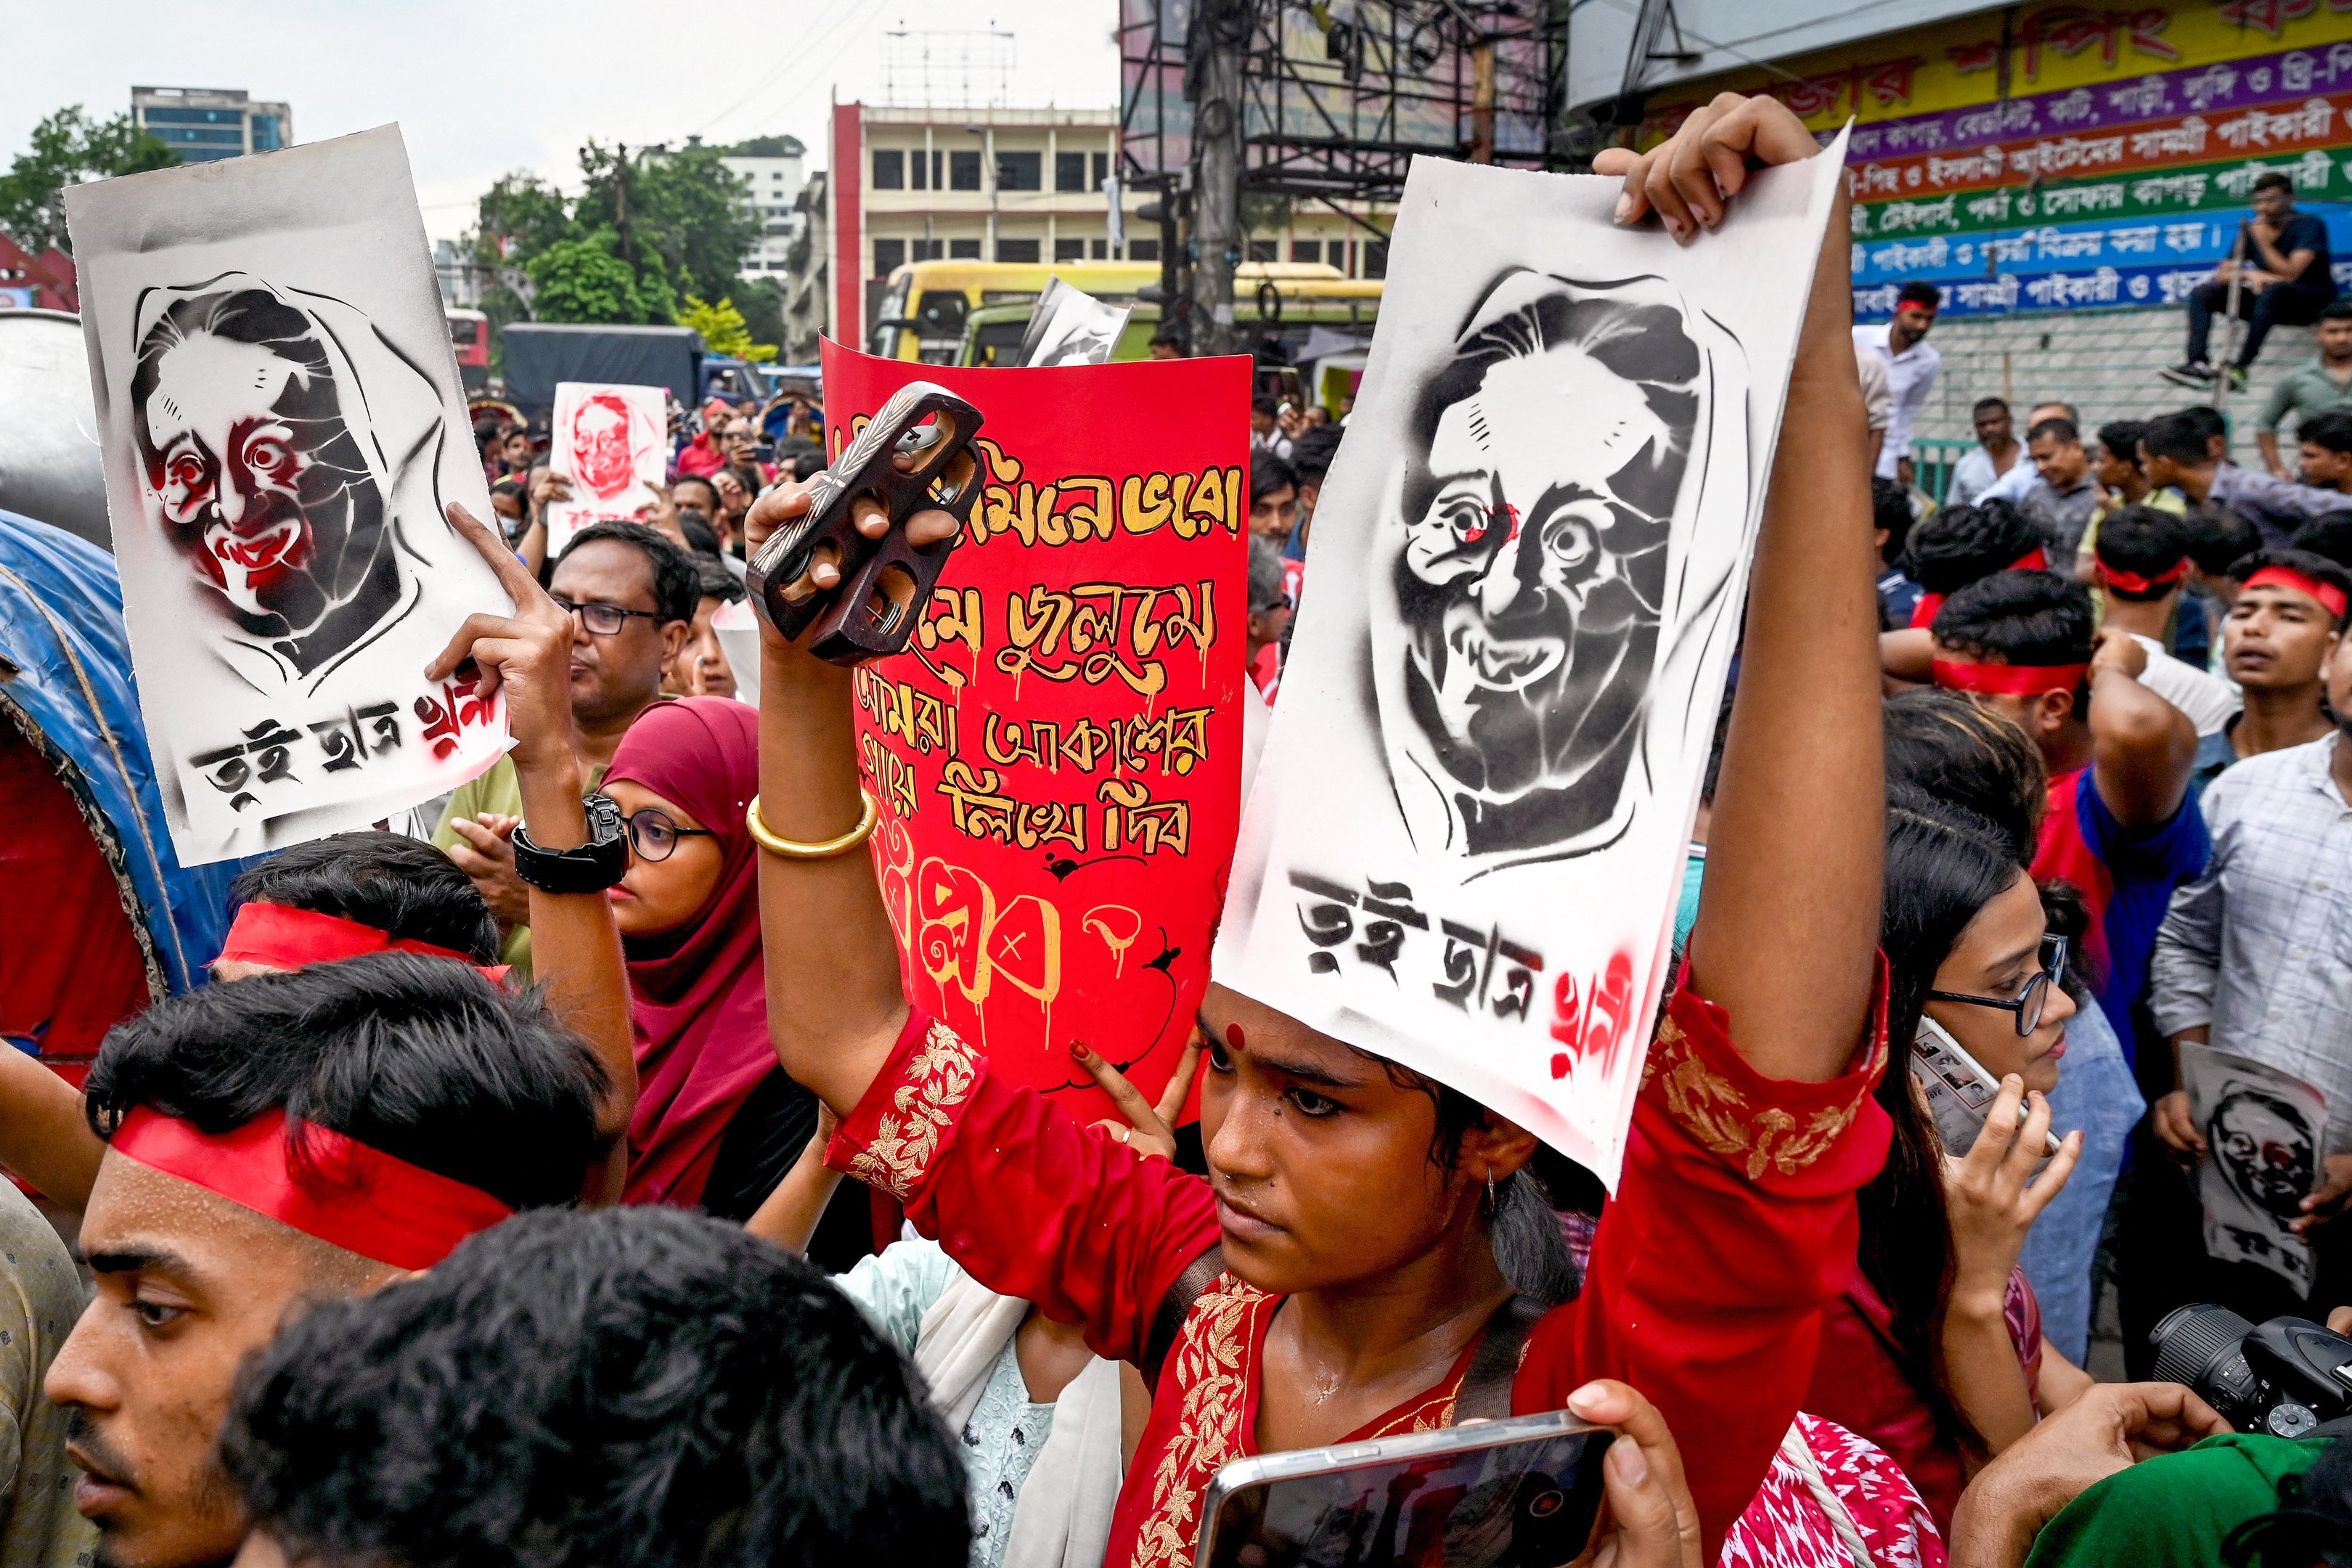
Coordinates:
66 684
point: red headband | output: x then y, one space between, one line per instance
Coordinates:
280 937
333 1187
2133 583
1923 614
2009 679
2288 577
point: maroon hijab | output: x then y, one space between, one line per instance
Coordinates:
699 994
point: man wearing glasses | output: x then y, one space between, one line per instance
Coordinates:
2255 958
632 594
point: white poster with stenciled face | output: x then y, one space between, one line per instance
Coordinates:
609 443
2264 1130
283 425
1465 841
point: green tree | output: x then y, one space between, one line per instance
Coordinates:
762 300
682 206
586 280
723 329
68 148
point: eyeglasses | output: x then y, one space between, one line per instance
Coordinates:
654 834
2027 1004
605 620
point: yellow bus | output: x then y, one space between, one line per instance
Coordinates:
928 305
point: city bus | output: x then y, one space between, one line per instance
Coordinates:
469 337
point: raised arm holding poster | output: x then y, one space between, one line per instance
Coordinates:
1057 754
1462 851
283 426
608 442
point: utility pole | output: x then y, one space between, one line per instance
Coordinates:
1221 31
620 201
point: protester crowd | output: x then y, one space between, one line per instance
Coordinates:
2050 776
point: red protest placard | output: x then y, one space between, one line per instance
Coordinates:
1057 754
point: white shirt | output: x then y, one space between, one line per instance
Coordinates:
2209 700
1878 396
2257 947
1973 475
1910 373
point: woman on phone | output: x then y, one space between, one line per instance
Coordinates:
1935 1351
1335 1277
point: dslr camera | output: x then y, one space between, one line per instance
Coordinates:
2287 1377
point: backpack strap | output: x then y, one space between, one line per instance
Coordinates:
1176 1306
1485 1392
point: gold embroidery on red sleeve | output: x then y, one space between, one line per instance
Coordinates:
937 1078
1721 1118
1210 1365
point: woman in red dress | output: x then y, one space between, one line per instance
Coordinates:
1334 1276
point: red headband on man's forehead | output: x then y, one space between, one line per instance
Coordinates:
1923 614
2288 577
278 936
333 1186
2133 583
2009 679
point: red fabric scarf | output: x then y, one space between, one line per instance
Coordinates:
701 999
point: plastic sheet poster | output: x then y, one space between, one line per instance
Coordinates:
611 441
1057 754
2262 1128
1465 840
282 425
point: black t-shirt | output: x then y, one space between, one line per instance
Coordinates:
767 1135
2304 231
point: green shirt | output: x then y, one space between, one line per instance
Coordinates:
2173 1510
2305 391
499 793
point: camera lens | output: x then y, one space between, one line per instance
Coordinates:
2203 1346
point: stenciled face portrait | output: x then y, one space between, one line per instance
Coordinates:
604 459
257 474
1530 552
2265 1150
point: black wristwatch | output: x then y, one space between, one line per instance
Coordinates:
595 866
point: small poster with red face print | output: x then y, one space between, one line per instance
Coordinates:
282 426
1465 843
609 444
1057 754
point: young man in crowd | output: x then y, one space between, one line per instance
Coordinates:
2142 561
1266 428
2119 471
1911 365
2065 494
1269 616
2019 482
2323 384
1273 498
631 596
2217 540
637 1388
1963 544
1890 523
2251 959
2120 825
2181 449
700 668
2275 644
1996 452
40 1297
2325 443
425 1103
2282 278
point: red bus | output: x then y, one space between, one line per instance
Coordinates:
469 336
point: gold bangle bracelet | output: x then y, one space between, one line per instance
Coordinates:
791 849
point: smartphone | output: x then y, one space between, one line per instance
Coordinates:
1521 1493
1959 1092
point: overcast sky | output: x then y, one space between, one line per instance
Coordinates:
481 89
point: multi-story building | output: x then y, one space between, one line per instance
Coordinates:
770 169
202 124
1013 184
808 297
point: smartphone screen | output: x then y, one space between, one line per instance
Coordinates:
1523 1504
